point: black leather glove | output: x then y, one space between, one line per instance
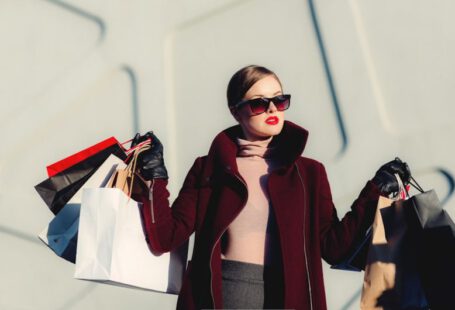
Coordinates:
385 176
151 162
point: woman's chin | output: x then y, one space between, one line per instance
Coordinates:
273 130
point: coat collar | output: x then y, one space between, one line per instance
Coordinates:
290 142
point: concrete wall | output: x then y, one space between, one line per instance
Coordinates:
370 80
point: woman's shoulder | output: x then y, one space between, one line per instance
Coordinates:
311 168
201 166
308 162
199 163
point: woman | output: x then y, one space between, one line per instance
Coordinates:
262 214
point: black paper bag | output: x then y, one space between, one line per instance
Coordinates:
56 191
435 233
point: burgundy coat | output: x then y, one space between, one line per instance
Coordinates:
214 193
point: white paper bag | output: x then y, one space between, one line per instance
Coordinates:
62 223
112 246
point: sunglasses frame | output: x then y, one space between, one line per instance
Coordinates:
264 100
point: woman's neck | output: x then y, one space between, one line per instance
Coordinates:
254 148
253 138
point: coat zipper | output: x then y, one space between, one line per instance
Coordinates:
151 200
304 236
218 239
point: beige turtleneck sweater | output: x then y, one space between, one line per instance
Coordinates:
252 236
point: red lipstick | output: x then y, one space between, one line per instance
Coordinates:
272 120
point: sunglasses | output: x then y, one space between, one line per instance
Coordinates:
260 105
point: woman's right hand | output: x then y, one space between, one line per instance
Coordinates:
151 162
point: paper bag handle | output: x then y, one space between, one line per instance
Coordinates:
131 167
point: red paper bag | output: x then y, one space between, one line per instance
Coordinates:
67 162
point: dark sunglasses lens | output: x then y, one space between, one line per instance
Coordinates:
281 102
259 105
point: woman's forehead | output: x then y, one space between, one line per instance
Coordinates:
265 87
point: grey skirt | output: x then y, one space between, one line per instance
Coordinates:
250 286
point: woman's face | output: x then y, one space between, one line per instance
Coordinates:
267 124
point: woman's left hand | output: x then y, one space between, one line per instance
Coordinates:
385 177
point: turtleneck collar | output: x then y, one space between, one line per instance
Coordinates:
290 145
259 148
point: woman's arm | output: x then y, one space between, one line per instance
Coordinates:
168 227
337 237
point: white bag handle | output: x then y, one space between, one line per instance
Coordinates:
402 192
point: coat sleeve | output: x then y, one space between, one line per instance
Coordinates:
338 236
167 227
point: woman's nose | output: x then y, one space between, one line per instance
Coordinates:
272 108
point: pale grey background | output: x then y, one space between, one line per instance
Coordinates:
77 71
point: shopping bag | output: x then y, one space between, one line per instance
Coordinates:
435 238
67 162
357 256
61 233
57 190
391 280
129 181
112 246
